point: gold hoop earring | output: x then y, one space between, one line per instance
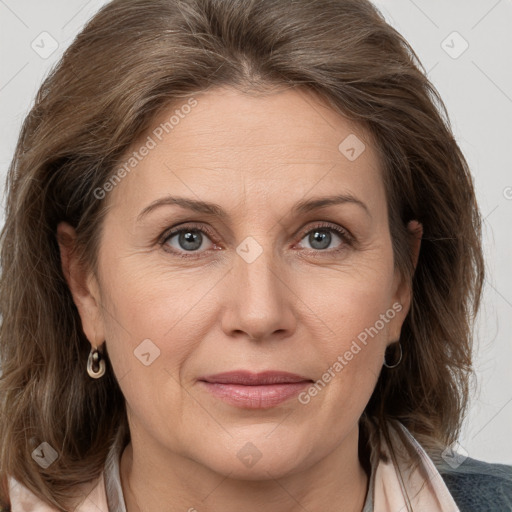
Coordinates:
399 358
95 364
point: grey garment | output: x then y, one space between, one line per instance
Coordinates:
475 485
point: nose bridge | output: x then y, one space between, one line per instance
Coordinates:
255 270
259 303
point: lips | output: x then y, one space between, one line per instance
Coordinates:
247 378
249 390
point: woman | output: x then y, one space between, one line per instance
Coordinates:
240 261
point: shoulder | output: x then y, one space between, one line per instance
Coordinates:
93 498
478 486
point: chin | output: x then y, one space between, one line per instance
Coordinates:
256 455
268 467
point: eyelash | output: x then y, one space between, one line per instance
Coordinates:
347 238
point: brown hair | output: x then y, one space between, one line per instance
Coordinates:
134 59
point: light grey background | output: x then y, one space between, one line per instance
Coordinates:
476 86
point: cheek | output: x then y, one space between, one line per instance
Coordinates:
352 363
149 337
353 312
145 320
348 303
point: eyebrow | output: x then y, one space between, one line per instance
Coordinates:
213 209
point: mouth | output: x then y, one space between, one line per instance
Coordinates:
249 390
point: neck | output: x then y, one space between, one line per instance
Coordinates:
157 480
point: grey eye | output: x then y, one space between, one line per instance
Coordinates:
187 239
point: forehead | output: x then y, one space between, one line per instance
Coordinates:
225 144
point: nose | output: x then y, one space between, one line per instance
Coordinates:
260 302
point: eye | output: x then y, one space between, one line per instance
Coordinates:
187 239
320 237
191 240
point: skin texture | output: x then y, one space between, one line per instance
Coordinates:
296 307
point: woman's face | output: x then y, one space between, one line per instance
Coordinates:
258 279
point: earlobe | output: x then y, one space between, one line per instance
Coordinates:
78 279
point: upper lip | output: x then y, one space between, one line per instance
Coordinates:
248 378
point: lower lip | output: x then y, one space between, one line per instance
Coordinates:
255 397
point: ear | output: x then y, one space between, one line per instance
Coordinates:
415 233
403 291
82 285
